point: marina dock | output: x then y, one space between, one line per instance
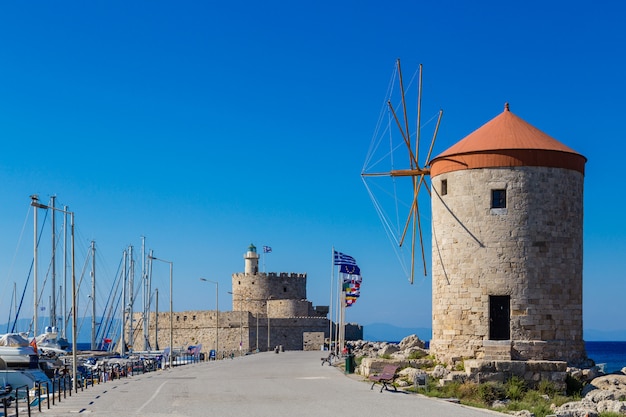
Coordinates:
290 383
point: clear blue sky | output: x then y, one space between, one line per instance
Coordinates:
206 126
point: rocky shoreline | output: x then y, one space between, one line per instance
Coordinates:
601 392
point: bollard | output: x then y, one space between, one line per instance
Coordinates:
38 386
349 366
48 395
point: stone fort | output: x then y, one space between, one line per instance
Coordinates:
268 310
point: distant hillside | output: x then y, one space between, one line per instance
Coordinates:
382 332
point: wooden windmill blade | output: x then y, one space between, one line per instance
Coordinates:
414 218
415 171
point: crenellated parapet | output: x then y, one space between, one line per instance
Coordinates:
259 292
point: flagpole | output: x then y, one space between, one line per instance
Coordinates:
342 328
332 291
337 315
266 250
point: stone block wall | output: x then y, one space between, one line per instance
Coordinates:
288 308
251 291
313 340
531 251
235 329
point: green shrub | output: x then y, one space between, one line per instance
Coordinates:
448 390
515 388
541 409
490 392
417 354
547 388
574 386
467 390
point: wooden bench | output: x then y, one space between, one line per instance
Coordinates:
330 358
385 378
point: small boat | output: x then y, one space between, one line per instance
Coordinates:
16 352
19 364
49 341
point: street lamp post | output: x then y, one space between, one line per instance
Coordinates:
217 315
171 308
267 309
240 322
35 203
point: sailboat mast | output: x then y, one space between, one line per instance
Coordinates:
131 295
64 292
53 305
332 293
145 297
156 319
122 341
93 295
34 202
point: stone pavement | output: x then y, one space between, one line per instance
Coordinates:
265 384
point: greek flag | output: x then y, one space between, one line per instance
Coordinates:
343 259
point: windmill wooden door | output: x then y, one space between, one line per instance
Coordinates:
499 317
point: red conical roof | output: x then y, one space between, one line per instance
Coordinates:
506 141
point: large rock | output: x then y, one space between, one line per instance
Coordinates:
612 382
411 341
409 374
388 349
439 372
608 406
577 409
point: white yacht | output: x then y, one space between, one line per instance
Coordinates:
19 364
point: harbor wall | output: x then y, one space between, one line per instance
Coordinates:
235 329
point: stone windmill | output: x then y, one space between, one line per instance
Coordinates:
507 216
507 247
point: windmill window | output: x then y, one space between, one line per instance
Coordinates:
498 198
444 187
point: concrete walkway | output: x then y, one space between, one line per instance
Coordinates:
266 384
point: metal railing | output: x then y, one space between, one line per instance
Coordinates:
61 386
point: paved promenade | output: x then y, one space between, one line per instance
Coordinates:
266 384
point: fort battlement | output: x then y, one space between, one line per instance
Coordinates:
259 293
270 275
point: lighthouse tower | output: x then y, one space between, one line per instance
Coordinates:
507 246
251 260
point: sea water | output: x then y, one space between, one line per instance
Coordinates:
609 355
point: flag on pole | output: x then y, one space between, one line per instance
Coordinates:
350 276
343 259
267 249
